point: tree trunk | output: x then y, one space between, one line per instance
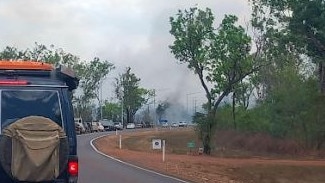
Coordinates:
206 138
127 116
234 109
322 77
321 134
206 145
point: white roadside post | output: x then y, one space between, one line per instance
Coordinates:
163 150
120 142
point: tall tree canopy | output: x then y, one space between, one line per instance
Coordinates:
219 57
92 74
130 94
293 39
301 23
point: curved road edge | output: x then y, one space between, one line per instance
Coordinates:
129 164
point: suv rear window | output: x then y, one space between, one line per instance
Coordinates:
17 104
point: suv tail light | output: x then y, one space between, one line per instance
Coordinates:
73 167
13 82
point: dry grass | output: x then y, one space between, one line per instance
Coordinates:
206 169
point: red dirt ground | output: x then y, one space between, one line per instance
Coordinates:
207 169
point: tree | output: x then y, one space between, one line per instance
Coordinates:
92 74
12 53
304 23
112 111
41 52
130 94
161 109
146 117
298 26
220 58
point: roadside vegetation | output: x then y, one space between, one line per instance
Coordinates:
265 80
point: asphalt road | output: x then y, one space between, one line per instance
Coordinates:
97 168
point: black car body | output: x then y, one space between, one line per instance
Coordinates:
34 89
108 125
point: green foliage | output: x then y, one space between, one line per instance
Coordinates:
301 24
131 94
288 35
192 30
92 73
112 111
200 119
41 52
248 120
291 35
230 62
218 56
293 110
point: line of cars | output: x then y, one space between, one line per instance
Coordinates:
104 125
179 124
110 125
96 126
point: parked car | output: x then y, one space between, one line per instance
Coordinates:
78 128
182 124
174 125
94 127
108 125
139 125
118 125
100 127
165 125
130 126
88 126
81 127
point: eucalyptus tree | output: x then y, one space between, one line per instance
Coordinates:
131 95
219 57
300 26
300 29
112 111
49 54
92 74
12 53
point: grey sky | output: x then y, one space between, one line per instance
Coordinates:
131 33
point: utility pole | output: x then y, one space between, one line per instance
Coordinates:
154 106
194 105
122 121
187 99
122 114
154 103
100 100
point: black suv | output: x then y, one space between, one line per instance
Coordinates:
37 129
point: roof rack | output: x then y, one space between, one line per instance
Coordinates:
24 65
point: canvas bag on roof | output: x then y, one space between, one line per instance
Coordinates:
35 148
